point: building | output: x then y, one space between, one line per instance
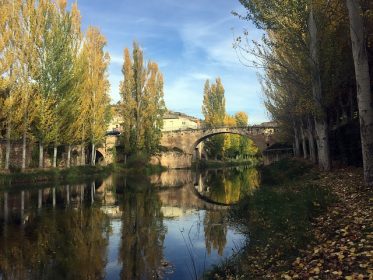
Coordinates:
270 127
179 121
171 121
115 124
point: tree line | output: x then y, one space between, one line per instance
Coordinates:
53 80
316 59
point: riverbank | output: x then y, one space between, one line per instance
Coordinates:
72 175
303 223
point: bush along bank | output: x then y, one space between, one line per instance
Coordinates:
303 223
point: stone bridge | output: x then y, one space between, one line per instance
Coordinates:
188 140
183 144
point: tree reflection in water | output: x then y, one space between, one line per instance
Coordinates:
227 186
143 232
68 244
216 229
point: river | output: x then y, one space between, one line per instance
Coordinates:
171 225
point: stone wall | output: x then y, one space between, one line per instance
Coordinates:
15 159
16 156
106 150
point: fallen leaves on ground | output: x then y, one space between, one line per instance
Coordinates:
343 244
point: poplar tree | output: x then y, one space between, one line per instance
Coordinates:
70 123
96 88
61 58
213 109
363 85
9 25
26 53
142 103
46 118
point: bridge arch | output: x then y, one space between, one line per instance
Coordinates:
194 149
185 142
99 156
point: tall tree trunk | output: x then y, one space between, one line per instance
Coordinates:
7 151
68 163
55 155
24 147
6 209
93 186
41 154
67 194
296 140
54 197
304 144
311 140
22 206
40 199
1 156
364 94
321 126
82 154
93 158
322 140
125 158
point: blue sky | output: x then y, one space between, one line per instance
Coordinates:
190 40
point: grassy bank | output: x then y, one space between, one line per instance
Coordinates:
76 174
276 221
304 224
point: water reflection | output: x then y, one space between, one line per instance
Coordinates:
50 244
172 225
142 236
227 186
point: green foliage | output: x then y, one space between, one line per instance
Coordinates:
284 171
138 161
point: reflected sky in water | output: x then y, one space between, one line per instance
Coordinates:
167 226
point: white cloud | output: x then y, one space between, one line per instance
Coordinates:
199 76
116 59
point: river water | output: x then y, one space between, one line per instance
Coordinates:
171 225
